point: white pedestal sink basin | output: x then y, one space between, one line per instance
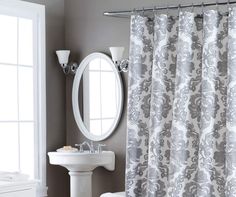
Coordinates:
80 166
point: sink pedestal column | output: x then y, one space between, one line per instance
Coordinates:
80 184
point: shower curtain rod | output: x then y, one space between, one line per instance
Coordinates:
127 13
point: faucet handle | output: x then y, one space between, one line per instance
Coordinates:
91 147
80 147
100 147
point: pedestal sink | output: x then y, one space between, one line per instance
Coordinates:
80 166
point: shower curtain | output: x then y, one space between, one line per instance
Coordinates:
182 106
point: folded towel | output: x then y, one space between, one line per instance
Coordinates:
67 149
118 194
13 176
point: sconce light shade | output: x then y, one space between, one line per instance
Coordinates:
117 58
63 56
117 53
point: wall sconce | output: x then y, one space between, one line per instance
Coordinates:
117 57
63 58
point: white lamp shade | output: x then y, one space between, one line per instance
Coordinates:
63 56
117 53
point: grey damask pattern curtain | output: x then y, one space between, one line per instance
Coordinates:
182 106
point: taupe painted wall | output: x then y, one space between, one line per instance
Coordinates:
87 30
57 177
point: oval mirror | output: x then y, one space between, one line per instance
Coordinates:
97 97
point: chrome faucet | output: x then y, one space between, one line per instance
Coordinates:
90 146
